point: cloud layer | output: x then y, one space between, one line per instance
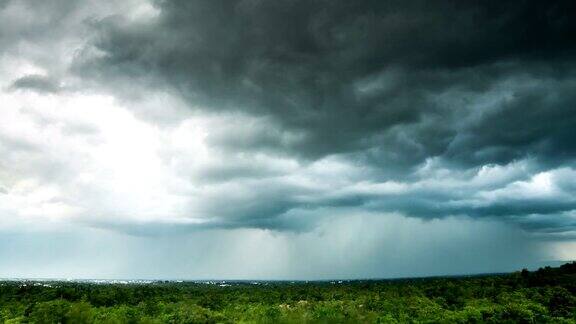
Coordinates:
173 116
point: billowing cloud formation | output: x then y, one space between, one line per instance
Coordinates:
408 80
179 116
426 98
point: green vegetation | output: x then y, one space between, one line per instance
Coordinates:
544 296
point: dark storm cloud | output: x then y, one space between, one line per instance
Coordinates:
285 138
304 62
388 84
536 120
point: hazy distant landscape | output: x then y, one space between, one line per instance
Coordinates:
547 295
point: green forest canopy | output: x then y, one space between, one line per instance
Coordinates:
547 295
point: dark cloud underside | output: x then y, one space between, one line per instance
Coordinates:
254 113
285 139
352 76
389 84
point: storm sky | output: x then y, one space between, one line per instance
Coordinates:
290 139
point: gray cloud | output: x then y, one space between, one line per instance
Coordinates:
36 83
351 77
387 86
285 139
231 114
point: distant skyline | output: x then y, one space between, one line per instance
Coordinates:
290 139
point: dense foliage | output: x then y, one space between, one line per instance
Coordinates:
544 296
